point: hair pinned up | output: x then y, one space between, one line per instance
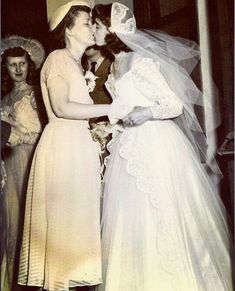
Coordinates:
113 43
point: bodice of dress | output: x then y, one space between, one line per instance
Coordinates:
20 110
62 65
140 83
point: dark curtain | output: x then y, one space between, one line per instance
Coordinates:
26 18
221 25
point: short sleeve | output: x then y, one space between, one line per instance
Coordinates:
54 66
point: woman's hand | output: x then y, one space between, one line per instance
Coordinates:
138 116
63 107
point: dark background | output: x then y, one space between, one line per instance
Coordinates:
177 17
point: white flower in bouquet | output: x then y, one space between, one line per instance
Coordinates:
90 80
99 132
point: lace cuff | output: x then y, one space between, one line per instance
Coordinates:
167 110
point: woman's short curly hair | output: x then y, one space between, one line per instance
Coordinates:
113 43
7 82
58 35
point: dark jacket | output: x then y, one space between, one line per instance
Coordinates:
100 95
5 133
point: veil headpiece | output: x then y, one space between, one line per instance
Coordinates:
31 46
177 58
122 19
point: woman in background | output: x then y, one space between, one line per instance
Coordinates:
163 224
20 59
61 240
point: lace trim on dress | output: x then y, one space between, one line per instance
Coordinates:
121 20
26 114
138 166
23 115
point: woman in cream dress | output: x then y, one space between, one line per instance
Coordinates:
61 240
20 59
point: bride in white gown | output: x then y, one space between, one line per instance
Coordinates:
163 225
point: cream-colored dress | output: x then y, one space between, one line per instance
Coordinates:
20 110
61 239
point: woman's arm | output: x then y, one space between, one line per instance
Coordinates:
160 111
151 83
138 116
63 108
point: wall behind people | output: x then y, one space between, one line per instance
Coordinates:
221 15
29 18
26 18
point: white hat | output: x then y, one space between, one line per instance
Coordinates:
60 12
32 46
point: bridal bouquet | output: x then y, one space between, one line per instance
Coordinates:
90 80
99 132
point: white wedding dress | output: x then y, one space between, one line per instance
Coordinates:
163 224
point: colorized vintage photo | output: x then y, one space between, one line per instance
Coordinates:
117 145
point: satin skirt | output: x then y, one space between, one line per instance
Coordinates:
163 226
61 238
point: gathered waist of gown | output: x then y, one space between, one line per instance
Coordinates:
82 122
152 123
